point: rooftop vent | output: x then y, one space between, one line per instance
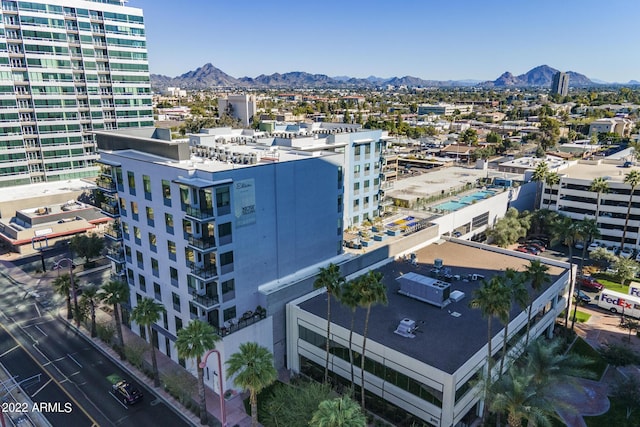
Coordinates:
406 328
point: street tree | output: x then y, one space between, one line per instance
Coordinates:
192 342
145 314
551 179
625 269
115 293
89 301
632 179
253 368
599 186
338 412
62 287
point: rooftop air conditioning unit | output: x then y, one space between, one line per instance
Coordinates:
406 328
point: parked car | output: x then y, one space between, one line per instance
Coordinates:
626 253
529 249
538 246
125 392
581 297
589 284
579 245
522 249
592 247
541 243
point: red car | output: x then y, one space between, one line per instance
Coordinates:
589 284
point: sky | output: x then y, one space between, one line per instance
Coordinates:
430 39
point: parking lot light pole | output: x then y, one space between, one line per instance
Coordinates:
203 364
57 266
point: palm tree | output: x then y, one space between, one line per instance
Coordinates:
350 297
551 365
569 232
492 300
599 185
330 279
192 342
589 230
372 292
539 174
253 365
90 299
551 179
633 180
516 394
514 284
115 293
145 314
338 412
536 274
62 287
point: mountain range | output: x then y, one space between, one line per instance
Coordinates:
209 76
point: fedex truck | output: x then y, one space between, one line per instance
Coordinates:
617 302
634 289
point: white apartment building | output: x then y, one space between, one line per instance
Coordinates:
203 235
241 107
618 125
67 68
572 197
423 358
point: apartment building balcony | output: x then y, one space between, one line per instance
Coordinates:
204 301
116 255
247 319
111 209
113 232
205 274
105 183
202 244
199 214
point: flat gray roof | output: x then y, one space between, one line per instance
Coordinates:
583 170
443 339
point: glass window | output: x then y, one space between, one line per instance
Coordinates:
226 258
166 189
224 229
152 240
171 248
150 214
143 283
146 183
222 197
229 313
228 286
176 301
132 181
157 291
178 324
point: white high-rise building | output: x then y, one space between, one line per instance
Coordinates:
67 68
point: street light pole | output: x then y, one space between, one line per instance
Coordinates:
57 266
202 365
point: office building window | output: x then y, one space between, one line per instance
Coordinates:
131 179
134 210
166 192
142 282
171 249
155 270
175 298
168 220
152 242
229 313
146 185
157 292
178 323
150 216
140 259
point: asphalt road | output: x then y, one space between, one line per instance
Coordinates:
33 341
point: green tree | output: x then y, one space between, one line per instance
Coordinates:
192 342
632 179
338 412
514 282
539 175
599 185
494 138
508 229
145 314
87 246
372 291
625 269
602 257
537 275
62 287
550 365
569 232
626 393
115 293
516 395
90 300
293 405
253 367
551 179
549 133
492 299
330 279
469 136
589 231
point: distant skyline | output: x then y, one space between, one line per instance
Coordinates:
455 40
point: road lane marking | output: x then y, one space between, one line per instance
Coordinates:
38 390
118 400
43 333
59 383
71 357
37 309
9 351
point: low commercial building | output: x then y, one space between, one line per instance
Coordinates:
424 358
444 109
618 125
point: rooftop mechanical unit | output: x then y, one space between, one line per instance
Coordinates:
406 328
426 289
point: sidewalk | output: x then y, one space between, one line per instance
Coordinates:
235 413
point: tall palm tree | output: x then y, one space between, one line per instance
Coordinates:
539 174
516 395
350 297
330 279
372 292
115 293
633 180
569 232
514 284
589 230
551 179
491 299
90 299
338 412
145 314
599 185
253 365
62 287
536 274
192 342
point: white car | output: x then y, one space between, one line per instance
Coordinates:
593 246
579 245
626 253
